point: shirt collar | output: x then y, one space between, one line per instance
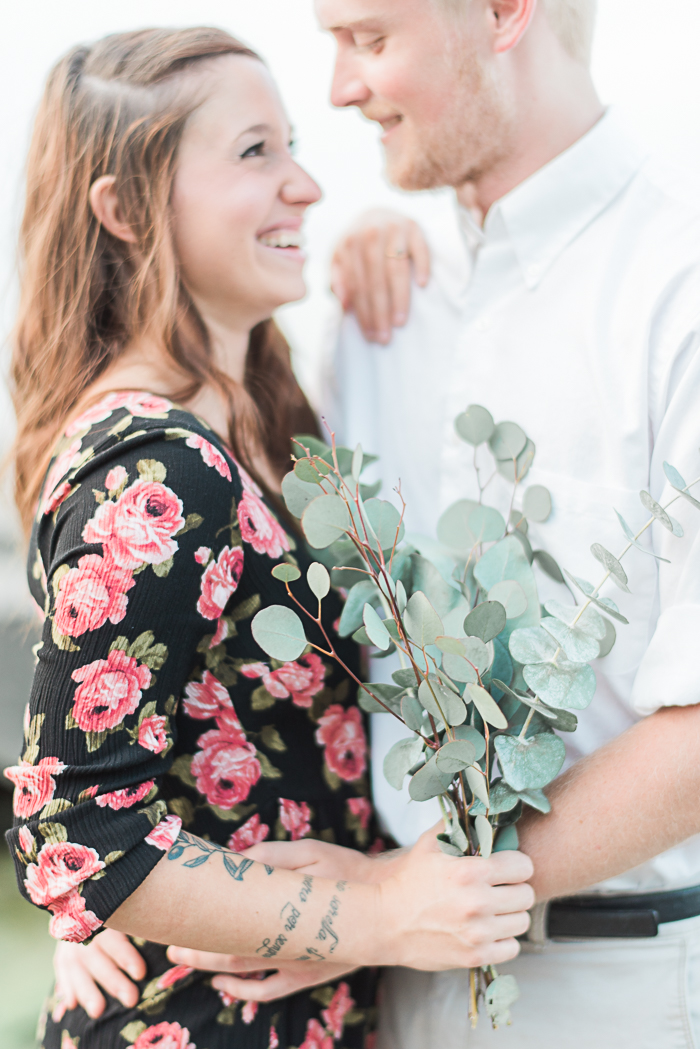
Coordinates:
547 211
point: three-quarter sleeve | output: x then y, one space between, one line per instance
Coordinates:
137 543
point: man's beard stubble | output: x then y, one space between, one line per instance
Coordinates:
473 135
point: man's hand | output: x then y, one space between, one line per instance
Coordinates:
372 268
82 970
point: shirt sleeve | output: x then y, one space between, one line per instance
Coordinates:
141 556
668 673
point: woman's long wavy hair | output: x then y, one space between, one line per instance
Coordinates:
119 108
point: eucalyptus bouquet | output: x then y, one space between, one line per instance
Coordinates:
488 676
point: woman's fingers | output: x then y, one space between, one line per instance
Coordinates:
210 962
288 980
77 983
420 253
118 947
109 976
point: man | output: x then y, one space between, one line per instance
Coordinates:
575 314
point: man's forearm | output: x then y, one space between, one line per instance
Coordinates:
631 800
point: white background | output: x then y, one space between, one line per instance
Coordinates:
645 61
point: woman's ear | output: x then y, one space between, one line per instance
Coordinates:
107 209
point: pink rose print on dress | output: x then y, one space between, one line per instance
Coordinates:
226 768
66 1040
207 700
164 1036
249 1012
71 921
249 484
251 833
172 976
142 405
295 818
153 734
316 1037
34 785
342 733
62 465
361 808
220 634
164 835
211 455
116 478
124 799
26 839
202 555
110 689
301 680
220 580
60 867
274 1039
340 1005
56 498
139 527
91 594
259 527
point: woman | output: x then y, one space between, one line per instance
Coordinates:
155 404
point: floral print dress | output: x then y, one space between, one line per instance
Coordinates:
153 709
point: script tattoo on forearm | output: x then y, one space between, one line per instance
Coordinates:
204 850
307 887
326 931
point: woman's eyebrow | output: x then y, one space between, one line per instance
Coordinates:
256 129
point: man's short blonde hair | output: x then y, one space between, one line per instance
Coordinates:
573 21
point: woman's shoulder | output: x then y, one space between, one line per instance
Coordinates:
128 425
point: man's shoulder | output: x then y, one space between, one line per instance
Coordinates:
667 205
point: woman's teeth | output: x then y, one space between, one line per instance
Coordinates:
287 239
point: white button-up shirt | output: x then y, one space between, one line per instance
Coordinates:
575 312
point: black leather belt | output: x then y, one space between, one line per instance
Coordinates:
619 917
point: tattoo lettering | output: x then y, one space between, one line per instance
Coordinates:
326 931
290 916
341 886
269 870
312 955
307 887
268 949
204 850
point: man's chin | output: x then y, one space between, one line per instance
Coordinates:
413 173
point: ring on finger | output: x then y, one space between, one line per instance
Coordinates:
399 253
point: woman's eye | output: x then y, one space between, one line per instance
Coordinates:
254 151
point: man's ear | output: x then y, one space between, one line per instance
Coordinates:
107 209
509 22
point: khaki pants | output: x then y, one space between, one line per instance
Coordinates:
584 994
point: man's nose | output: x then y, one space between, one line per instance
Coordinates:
348 88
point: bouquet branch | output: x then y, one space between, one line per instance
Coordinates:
488 679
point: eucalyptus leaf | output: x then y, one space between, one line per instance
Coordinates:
389 694
608 642
428 579
515 472
351 619
319 580
376 631
532 645
486 621
677 526
511 595
674 477
612 565
357 462
455 756
312 445
386 524
458 668
450 645
412 712
579 647
446 846
605 604
549 566
361 637
531 763
297 494
484 834
279 632
324 520
441 702
502 798
500 996
487 706
506 560
304 470
466 523
507 441
658 512
507 840
472 736
401 599
537 503
568 685
475 426
591 622
422 621
404 678
428 782
286 573
629 535
400 760
693 502
536 799
477 783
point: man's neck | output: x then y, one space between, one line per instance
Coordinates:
547 130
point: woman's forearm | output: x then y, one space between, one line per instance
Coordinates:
230 904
